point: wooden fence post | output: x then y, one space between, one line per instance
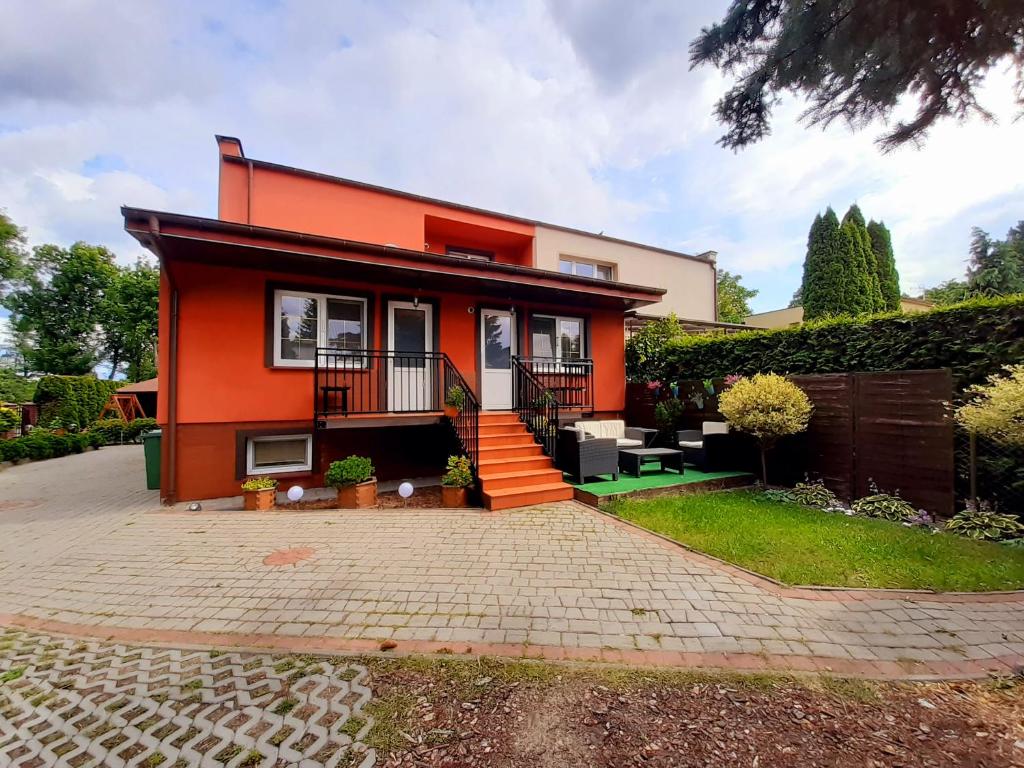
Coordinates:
973 442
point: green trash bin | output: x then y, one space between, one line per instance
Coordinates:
151 446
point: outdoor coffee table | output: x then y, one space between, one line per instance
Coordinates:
632 459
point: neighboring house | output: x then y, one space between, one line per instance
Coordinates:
318 317
784 318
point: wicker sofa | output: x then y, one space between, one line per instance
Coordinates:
625 437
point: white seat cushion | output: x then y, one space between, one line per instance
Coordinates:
715 428
608 428
624 442
691 443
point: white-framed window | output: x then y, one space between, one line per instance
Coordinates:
304 321
557 338
270 454
582 268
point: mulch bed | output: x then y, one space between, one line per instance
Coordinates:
583 720
422 498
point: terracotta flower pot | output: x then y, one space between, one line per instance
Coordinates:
451 411
453 497
260 500
358 496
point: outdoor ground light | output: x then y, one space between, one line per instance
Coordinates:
295 493
405 490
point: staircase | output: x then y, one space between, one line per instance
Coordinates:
513 469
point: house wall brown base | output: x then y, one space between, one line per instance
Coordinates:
211 457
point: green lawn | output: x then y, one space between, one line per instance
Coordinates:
797 545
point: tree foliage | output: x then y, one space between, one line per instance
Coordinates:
72 401
130 319
950 292
996 409
58 306
856 61
15 388
843 275
885 266
733 298
646 347
12 251
997 266
974 339
767 406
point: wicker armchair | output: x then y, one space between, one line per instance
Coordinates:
586 458
712 448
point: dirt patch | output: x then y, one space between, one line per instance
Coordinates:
490 713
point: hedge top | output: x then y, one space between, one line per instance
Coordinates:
974 339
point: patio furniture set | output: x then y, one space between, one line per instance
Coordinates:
608 447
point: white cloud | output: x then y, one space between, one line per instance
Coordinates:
584 113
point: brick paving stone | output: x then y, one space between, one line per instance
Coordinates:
66 702
83 544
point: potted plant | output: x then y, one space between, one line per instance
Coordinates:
259 493
454 399
353 477
455 481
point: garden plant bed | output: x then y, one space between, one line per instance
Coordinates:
801 546
492 713
422 498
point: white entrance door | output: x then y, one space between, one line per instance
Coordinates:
410 334
497 345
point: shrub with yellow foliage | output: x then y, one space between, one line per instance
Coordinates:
997 408
767 406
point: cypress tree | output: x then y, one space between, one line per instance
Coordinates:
823 290
885 264
864 288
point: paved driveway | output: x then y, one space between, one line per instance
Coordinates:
84 550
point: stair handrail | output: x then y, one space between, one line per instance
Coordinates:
465 423
536 405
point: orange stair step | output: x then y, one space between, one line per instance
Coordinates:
506 438
507 498
522 479
510 451
513 464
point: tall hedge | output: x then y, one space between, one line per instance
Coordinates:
974 339
72 401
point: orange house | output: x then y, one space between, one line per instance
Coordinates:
318 317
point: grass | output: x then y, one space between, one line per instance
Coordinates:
797 545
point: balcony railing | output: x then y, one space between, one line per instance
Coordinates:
366 382
570 382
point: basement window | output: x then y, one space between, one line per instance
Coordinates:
271 454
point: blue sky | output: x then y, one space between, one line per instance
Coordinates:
579 112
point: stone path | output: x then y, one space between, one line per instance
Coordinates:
66 702
83 550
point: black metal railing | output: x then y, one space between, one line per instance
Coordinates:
570 381
536 404
364 382
466 421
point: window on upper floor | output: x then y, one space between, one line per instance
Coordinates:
305 321
469 253
581 268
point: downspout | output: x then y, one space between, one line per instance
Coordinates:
171 443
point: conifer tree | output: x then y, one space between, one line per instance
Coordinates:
862 279
824 288
885 264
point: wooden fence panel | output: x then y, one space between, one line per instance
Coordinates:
828 445
893 427
904 436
